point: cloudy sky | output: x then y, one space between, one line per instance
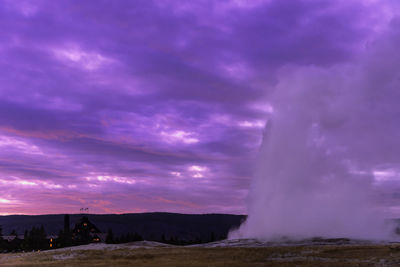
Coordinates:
135 106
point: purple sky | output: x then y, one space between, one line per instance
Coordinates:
134 106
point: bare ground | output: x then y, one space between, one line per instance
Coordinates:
156 254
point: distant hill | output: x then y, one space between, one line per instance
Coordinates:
151 226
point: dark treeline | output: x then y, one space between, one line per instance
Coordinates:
83 233
35 239
130 237
150 226
172 240
43 231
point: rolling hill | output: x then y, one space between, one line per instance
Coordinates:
151 226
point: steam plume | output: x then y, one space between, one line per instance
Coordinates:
331 129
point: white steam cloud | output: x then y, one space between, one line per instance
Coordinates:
331 129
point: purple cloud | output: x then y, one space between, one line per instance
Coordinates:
152 105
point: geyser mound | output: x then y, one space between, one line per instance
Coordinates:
331 129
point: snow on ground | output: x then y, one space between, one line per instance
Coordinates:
311 252
287 242
64 256
223 243
102 246
70 252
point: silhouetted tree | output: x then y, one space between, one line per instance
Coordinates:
24 244
2 242
137 237
163 240
212 237
65 237
110 237
36 239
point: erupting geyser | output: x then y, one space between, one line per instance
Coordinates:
303 190
330 130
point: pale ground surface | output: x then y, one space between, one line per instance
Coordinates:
102 246
248 252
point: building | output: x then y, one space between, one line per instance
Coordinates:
86 232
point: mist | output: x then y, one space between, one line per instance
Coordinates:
332 137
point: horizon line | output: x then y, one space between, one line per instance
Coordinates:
124 213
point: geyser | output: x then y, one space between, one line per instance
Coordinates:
331 129
303 190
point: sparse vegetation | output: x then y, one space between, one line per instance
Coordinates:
344 255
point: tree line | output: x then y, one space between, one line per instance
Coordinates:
36 239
